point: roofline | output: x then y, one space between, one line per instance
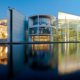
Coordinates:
42 15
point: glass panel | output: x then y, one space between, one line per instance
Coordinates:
45 21
68 27
40 39
35 21
54 34
3 29
53 21
33 30
44 30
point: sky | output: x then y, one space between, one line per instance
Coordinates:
33 7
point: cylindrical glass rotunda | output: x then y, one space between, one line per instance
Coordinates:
41 28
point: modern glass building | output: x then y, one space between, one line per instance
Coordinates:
68 27
3 29
68 53
3 38
41 28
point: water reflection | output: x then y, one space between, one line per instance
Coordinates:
3 55
68 57
42 55
63 56
39 54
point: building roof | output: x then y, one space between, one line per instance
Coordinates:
44 16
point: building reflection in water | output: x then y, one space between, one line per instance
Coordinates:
68 53
63 56
68 57
3 54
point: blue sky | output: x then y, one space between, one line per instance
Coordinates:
31 7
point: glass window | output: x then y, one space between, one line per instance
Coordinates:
40 39
44 21
33 30
53 21
68 27
35 21
44 30
3 29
